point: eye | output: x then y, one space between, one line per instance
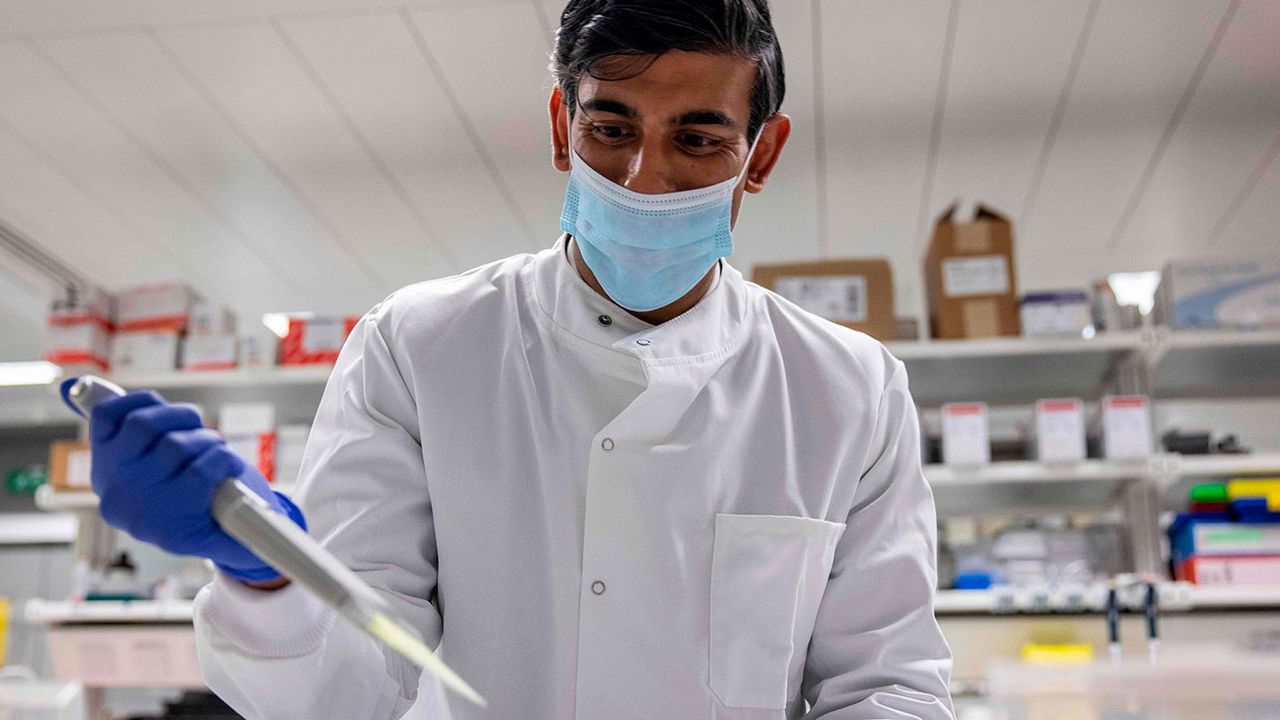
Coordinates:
695 141
610 133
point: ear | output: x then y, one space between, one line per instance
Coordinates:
559 114
773 136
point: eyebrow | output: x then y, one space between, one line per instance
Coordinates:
696 117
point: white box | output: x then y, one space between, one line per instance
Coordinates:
1217 292
1126 427
291 441
165 306
966 437
1059 430
81 305
209 318
209 352
152 351
239 418
250 432
85 344
258 349
1056 314
126 656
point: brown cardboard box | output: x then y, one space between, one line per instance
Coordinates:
970 278
855 293
69 466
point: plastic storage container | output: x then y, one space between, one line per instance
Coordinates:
24 699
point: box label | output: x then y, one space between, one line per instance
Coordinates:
840 298
980 275
324 334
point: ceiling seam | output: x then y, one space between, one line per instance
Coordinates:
367 147
473 135
1246 190
278 172
819 131
78 183
1157 154
935 132
1059 113
161 164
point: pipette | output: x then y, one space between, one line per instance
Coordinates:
296 555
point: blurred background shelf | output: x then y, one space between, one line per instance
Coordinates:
37 528
1013 370
1175 597
134 612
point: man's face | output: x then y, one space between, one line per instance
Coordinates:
679 125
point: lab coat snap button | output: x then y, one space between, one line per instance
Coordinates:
642 341
605 320
607 444
597 587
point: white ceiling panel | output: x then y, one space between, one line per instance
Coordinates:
279 107
1140 60
1255 226
39 104
376 71
500 80
1001 96
131 75
879 100
1226 131
78 17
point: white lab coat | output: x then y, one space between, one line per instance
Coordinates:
723 516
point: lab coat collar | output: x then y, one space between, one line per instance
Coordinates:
708 330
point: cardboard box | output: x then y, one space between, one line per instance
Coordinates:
164 306
83 345
250 432
966 435
1059 431
315 339
149 351
1218 293
209 352
1125 427
855 293
970 280
70 465
209 318
1066 313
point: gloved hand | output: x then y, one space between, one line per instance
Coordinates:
156 469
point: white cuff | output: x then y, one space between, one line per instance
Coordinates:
283 623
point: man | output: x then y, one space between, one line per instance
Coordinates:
611 480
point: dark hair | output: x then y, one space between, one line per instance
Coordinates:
595 30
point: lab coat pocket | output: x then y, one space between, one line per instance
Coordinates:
768 573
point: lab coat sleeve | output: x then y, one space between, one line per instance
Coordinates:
363 489
877 651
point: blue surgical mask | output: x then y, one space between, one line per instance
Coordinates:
647 251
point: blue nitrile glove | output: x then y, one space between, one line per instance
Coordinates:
156 469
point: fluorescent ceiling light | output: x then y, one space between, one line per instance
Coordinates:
1135 288
29 373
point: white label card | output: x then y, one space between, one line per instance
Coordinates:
978 275
840 298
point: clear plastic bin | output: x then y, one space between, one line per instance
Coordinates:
25 699
1206 685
